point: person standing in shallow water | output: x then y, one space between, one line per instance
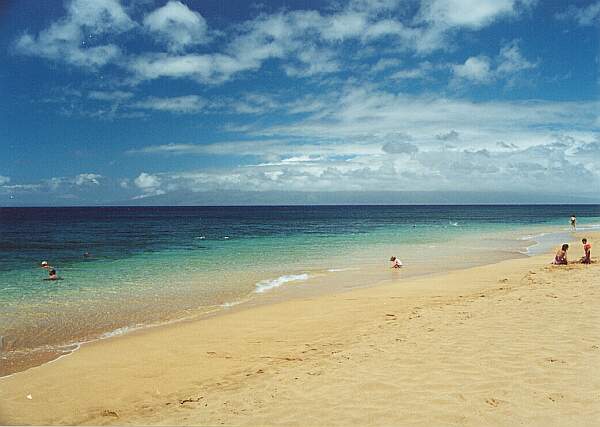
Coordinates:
573 222
396 263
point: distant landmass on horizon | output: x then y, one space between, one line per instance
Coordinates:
227 198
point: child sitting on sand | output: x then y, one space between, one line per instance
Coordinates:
561 256
396 263
587 252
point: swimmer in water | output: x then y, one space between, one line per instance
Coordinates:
52 274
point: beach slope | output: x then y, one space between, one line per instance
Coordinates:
516 342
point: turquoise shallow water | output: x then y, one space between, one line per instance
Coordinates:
150 265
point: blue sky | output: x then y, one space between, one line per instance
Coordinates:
123 100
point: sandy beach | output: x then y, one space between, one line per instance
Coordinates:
517 342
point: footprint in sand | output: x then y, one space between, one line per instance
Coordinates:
553 360
109 413
190 400
555 397
492 402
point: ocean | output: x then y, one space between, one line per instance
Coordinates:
151 265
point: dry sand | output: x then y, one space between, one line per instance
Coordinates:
516 342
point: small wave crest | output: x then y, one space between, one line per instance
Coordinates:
266 285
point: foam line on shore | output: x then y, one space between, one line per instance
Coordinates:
267 285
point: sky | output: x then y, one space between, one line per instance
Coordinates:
135 101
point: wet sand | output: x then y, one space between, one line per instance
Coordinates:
517 342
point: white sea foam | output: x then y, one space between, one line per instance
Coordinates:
119 331
586 227
335 270
230 304
532 236
267 285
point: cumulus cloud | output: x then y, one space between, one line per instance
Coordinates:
305 43
87 178
480 70
149 184
475 69
178 104
74 38
552 163
177 26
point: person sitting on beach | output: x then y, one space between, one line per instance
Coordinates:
396 263
561 256
587 252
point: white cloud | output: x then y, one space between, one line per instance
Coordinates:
550 164
475 69
344 25
205 68
248 103
178 104
585 16
4 180
83 179
420 72
304 42
508 64
72 39
177 26
466 13
312 62
384 64
366 113
116 95
149 184
87 178
146 181
511 61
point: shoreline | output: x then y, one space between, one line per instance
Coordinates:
223 349
277 294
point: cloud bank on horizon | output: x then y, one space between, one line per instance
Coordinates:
114 100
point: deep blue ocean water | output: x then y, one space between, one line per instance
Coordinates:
152 263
